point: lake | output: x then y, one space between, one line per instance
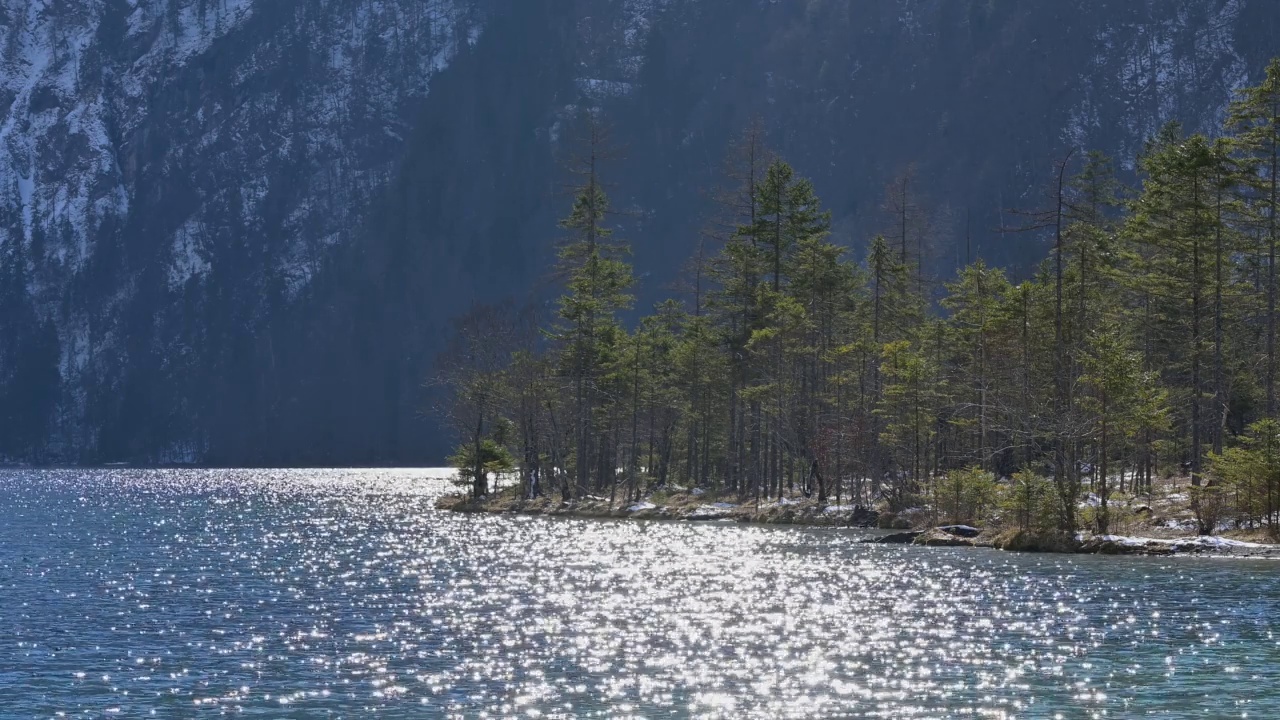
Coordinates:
340 593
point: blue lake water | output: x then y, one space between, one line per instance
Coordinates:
304 594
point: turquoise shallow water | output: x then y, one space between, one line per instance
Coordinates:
303 594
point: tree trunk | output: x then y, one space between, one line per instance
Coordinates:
1219 385
1196 439
1104 489
1271 266
480 480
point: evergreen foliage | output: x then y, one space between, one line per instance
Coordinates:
1251 475
966 495
1143 344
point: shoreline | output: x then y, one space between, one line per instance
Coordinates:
683 505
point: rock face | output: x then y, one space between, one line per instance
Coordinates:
174 175
235 231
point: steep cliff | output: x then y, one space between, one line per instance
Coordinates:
233 231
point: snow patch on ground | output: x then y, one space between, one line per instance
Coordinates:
641 507
712 511
1215 541
1210 542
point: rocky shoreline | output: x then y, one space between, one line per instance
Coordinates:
680 504
1086 544
696 505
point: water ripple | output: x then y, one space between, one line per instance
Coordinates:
345 593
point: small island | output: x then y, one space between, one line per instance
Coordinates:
1119 398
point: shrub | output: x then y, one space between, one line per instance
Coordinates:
1209 504
966 496
1047 541
1251 474
494 457
1029 502
1120 512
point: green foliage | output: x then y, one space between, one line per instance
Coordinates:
1119 514
1254 122
1250 473
1134 349
495 459
966 496
1097 191
598 283
788 215
895 310
907 413
977 340
1122 402
1209 503
599 280
1029 502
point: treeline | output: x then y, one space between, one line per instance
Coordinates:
1144 345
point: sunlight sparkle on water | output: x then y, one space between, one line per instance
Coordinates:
297 593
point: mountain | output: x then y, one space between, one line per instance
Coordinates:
235 231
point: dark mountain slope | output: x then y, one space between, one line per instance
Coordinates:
235 232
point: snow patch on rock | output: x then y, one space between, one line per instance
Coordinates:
1146 74
189 254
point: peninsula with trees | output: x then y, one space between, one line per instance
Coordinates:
1128 383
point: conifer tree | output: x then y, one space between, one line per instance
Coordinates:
907 409
974 301
1144 340
598 284
734 304
1174 221
474 371
1255 123
895 312
1115 393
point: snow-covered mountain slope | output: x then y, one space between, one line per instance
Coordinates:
169 134
234 230
1146 72
330 85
